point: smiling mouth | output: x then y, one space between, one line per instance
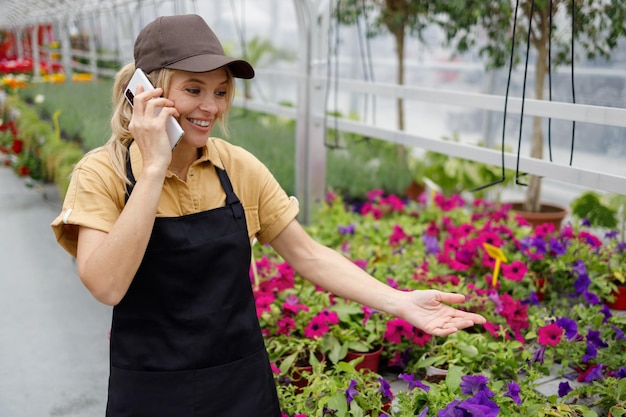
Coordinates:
201 123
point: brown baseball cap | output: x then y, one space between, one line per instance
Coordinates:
187 43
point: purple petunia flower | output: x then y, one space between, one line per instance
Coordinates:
473 384
513 392
564 389
581 285
606 310
451 410
431 245
595 374
538 355
480 405
591 298
557 248
413 383
570 326
579 267
611 234
423 413
385 388
619 334
593 336
591 352
351 392
620 373
346 230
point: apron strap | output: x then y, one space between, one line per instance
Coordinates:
231 199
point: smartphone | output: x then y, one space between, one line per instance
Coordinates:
139 78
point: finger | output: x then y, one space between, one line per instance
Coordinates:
451 298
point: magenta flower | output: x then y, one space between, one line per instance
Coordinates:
514 271
420 337
330 317
550 335
398 236
285 326
397 329
316 328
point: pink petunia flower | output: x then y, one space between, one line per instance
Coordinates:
550 335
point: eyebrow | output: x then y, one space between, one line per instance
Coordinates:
199 81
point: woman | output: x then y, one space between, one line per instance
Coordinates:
164 237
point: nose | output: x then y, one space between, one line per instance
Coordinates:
209 104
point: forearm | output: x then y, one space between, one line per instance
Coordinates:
337 274
108 265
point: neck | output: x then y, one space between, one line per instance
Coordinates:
182 158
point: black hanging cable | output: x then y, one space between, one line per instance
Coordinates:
550 80
506 105
521 124
571 155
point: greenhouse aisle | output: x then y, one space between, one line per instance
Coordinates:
54 347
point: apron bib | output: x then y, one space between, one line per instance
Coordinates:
185 339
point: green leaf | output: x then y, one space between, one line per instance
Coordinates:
453 378
339 403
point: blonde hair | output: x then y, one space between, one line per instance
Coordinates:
120 135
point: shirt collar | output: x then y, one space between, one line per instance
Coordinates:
209 154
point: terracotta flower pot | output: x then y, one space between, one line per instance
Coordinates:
549 213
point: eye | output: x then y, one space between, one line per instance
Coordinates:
191 90
220 93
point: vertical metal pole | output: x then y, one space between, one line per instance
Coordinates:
93 56
34 50
66 48
310 151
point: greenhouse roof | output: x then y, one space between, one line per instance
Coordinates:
20 13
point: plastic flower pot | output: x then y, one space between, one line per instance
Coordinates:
620 299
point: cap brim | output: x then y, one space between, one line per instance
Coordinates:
204 63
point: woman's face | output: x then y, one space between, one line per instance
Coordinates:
201 99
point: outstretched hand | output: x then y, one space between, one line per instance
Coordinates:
428 310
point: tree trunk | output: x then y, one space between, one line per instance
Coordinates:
401 150
533 193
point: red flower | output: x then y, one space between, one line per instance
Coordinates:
24 171
550 335
17 146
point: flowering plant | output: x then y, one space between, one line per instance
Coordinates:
341 391
442 243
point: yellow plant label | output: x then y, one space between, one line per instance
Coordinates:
499 257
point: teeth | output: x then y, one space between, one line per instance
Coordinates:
202 123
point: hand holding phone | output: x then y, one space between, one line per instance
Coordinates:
139 78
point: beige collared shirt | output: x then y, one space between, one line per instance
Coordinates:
95 197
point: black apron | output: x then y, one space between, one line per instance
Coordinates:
185 339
